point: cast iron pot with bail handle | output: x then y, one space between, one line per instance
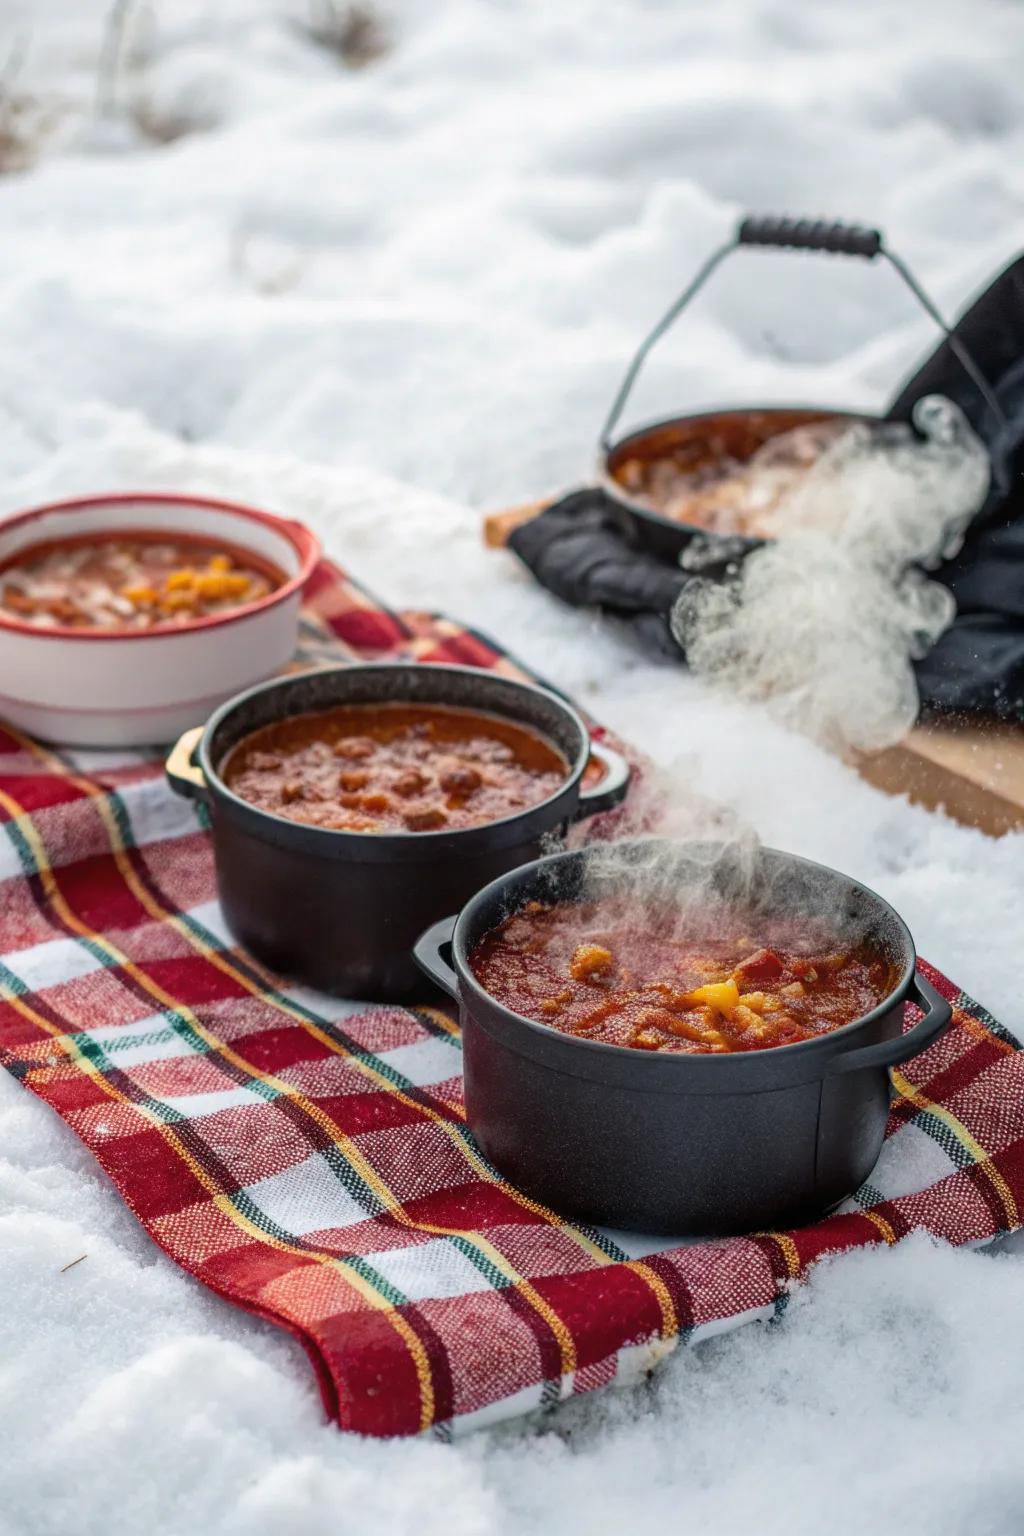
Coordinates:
341 910
670 1142
737 433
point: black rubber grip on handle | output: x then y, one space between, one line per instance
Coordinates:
810 235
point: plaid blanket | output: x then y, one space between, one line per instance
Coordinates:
308 1158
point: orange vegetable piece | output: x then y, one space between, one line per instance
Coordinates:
175 601
141 596
588 961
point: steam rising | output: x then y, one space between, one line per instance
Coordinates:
695 888
823 623
689 866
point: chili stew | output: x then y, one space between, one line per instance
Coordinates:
597 971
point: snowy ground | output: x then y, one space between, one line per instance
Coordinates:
434 269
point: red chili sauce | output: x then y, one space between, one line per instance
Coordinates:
394 768
131 581
597 971
725 494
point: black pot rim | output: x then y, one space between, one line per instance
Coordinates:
378 845
742 542
678 1063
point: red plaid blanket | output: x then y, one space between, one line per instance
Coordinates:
308 1158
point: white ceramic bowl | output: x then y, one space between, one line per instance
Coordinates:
126 687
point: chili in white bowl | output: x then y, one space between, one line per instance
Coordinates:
125 618
131 581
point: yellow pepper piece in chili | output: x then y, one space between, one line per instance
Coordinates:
722 996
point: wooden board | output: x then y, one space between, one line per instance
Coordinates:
973 771
498 525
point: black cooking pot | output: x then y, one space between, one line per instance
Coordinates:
341 910
672 1142
697 440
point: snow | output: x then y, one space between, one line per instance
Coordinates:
431 273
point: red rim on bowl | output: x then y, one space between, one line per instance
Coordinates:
305 543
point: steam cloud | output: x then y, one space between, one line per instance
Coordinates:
822 624
700 887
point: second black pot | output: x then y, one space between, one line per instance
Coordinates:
341 910
664 1142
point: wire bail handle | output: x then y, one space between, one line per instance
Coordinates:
785 234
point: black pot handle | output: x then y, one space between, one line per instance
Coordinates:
429 954
610 789
786 234
891 1053
828 235
183 773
